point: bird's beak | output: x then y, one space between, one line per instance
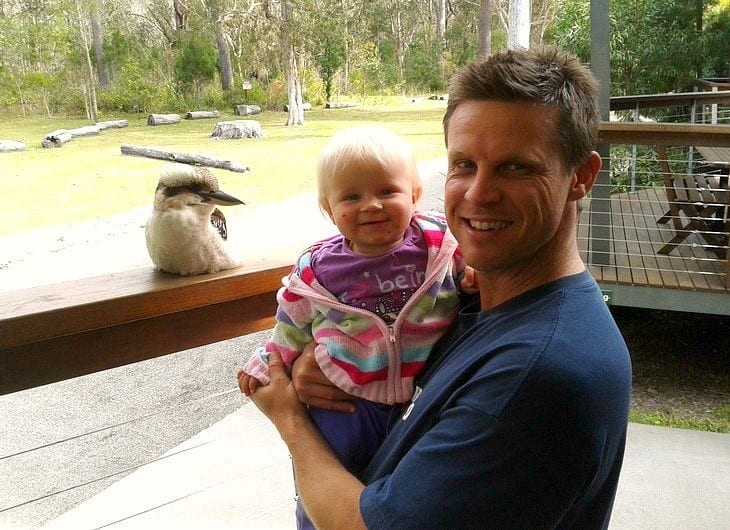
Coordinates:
221 198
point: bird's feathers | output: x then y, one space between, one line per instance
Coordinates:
218 220
186 233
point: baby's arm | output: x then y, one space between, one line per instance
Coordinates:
292 331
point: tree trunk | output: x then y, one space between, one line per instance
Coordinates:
224 56
181 14
485 28
291 71
518 35
93 111
440 7
97 38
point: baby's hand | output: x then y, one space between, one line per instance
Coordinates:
469 283
247 383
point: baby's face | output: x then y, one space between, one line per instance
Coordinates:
372 207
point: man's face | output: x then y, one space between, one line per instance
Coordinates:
506 187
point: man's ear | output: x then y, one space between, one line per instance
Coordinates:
584 176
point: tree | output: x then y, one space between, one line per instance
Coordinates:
330 58
295 108
485 28
97 38
219 13
196 61
657 46
89 84
519 24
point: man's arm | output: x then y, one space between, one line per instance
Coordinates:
313 387
331 495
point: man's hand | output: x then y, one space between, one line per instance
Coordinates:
278 400
313 388
247 383
469 283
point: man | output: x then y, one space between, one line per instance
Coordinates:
520 420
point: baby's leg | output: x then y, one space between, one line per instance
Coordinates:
354 437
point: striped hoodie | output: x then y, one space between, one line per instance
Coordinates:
356 349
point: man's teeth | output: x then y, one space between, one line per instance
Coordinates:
488 225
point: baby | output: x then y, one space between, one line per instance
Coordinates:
375 298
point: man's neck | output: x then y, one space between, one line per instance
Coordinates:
498 286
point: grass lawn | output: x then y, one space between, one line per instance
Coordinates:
88 177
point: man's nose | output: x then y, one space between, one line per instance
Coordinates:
484 187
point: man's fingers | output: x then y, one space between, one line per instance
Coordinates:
275 361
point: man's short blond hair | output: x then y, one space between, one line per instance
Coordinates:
365 146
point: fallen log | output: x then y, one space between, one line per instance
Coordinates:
116 124
163 119
232 130
11 145
184 158
56 138
202 114
343 105
88 130
247 110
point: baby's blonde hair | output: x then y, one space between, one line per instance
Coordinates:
367 146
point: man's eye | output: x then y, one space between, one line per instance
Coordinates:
464 165
515 168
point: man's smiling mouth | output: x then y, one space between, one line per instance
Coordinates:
489 225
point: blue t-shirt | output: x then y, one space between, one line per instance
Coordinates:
520 423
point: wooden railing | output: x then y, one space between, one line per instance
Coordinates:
70 329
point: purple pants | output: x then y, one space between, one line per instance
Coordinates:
353 437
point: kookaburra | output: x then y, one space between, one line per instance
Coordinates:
186 233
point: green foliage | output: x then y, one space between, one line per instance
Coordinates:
718 421
330 57
196 60
657 46
133 91
643 174
422 64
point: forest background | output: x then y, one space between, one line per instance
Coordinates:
99 58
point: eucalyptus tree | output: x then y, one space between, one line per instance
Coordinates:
83 25
285 16
220 12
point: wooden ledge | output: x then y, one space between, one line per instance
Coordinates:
664 134
69 329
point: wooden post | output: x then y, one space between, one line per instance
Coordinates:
600 211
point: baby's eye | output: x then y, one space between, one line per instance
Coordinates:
386 192
351 197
